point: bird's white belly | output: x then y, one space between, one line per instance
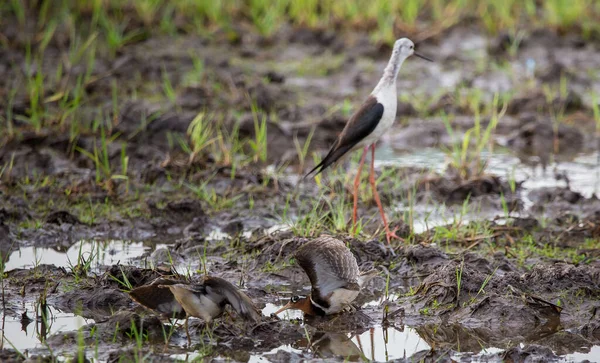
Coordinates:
203 307
196 305
340 299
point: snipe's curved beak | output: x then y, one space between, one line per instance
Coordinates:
284 308
422 56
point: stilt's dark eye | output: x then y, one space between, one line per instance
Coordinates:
412 47
295 299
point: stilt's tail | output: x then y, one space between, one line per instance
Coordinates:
334 155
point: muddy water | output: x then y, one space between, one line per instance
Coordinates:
376 343
98 253
582 171
24 334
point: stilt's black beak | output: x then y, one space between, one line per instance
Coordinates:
422 56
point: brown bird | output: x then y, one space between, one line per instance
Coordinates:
205 300
158 297
371 121
333 274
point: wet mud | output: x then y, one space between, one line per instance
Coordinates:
519 281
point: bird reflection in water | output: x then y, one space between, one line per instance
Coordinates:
348 346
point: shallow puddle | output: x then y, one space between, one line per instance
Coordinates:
288 314
24 334
376 344
383 344
592 356
98 253
583 170
264 357
495 355
583 173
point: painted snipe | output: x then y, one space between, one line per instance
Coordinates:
334 275
206 299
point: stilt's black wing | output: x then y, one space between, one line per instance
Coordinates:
360 125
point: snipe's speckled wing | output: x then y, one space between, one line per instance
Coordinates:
217 288
329 265
159 299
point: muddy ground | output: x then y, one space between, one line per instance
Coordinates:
527 285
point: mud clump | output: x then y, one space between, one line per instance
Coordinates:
460 293
370 252
419 135
177 212
536 142
134 275
92 299
11 356
563 276
499 306
553 202
62 217
275 248
531 353
454 187
126 324
7 245
475 187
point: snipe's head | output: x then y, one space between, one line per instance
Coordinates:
404 47
298 303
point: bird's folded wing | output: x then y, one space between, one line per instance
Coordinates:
360 125
160 299
240 302
329 266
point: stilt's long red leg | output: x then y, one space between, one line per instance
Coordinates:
388 234
356 184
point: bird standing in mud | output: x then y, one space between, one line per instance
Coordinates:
334 275
369 123
206 300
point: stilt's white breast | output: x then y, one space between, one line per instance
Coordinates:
387 97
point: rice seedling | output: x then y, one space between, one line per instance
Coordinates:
148 10
101 159
459 272
123 281
302 151
198 73
596 112
201 134
465 154
167 86
115 33
209 195
259 144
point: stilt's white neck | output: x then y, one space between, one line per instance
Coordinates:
390 73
